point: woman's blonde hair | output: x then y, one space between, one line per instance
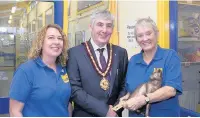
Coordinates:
36 49
146 22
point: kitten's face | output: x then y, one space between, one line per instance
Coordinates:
157 75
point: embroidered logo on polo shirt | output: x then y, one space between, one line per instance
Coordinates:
65 78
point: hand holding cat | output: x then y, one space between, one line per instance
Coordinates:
135 103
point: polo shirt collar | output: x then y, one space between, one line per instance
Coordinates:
39 61
159 53
157 56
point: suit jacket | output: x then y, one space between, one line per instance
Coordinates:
89 98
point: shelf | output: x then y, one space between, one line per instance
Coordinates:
190 63
188 39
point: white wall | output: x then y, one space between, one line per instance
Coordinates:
128 13
43 6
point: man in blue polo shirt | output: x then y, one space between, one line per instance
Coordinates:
164 101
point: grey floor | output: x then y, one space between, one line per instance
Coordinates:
125 113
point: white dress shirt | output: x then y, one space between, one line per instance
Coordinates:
105 52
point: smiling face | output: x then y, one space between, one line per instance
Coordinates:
146 37
101 31
53 43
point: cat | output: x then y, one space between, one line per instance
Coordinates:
152 85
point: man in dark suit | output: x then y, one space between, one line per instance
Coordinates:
97 70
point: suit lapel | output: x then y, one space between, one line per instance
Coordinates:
92 50
88 58
113 69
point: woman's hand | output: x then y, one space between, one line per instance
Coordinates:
135 103
121 102
124 98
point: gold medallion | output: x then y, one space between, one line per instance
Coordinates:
104 83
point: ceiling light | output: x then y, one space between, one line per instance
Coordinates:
13 9
10 17
3 29
9 21
11 36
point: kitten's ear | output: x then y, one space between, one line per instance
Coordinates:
159 70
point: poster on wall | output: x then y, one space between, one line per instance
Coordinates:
69 40
79 37
84 5
131 42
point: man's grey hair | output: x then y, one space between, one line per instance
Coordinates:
146 22
102 14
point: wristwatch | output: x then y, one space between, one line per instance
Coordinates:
147 99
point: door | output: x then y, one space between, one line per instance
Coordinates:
7 67
189 53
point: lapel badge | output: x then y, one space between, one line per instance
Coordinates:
65 78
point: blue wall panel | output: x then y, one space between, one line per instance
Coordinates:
58 13
173 22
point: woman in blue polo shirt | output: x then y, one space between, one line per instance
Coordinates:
40 86
164 101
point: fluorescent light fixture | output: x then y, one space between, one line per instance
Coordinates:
13 9
11 36
3 29
10 17
9 21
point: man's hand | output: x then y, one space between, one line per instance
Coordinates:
121 102
110 112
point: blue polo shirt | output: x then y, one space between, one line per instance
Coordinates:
139 73
43 92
